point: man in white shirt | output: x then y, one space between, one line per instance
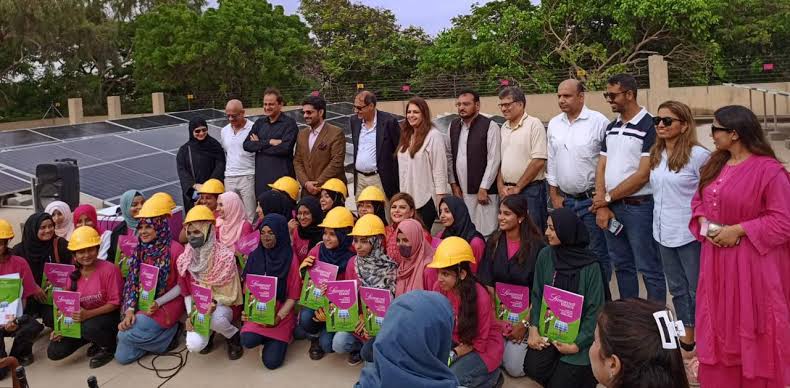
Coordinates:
473 157
575 138
524 155
239 164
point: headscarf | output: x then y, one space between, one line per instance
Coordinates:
312 233
89 211
157 253
230 226
572 254
273 201
462 226
65 228
337 199
126 205
416 357
276 261
340 255
411 269
209 146
377 270
213 264
36 250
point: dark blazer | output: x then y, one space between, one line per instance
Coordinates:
387 138
272 162
325 160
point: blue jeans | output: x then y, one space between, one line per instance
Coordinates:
346 343
635 250
597 239
681 265
307 328
273 353
145 336
472 372
537 203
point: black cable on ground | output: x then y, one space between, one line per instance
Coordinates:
162 373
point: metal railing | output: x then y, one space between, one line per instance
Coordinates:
765 92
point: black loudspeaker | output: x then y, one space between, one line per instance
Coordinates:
58 181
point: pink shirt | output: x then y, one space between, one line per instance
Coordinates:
103 286
512 248
16 264
169 314
488 343
340 275
285 329
301 247
478 249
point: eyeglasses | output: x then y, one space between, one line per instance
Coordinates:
667 121
200 130
506 105
611 96
714 129
233 117
359 108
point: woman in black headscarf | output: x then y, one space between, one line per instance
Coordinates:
305 233
565 264
276 202
40 245
198 160
454 216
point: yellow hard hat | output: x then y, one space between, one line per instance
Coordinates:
452 251
335 185
287 185
6 231
372 193
338 217
368 225
84 237
212 186
160 204
199 213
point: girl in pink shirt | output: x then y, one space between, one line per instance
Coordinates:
99 285
305 233
454 216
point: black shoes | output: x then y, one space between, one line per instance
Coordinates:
354 358
235 351
26 360
316 353
209 346
93 350
101 358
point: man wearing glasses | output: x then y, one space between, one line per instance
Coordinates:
524 154
375 135
240 164
473 159
623 193
272 139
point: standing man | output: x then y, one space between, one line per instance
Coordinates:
575 138
524 153
623 192
239 164
375 135
272 139
320 149
474 155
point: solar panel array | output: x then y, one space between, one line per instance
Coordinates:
117 155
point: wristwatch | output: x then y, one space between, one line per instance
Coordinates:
607 198
525 323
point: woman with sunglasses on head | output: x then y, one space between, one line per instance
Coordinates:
741 214
198 160
675 162
131 202
85 215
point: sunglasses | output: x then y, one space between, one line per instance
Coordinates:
200 130
359 108
611 96
667 121
714 129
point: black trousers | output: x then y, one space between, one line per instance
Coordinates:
545 367
428 214
35 309
101 330
25 334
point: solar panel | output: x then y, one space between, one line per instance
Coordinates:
111 180
21 137
12 184
109 148
28 158
498 119
64 132
164 139
173 189
443 123
161 166
296 114
341 122
342 108
148 122
206 114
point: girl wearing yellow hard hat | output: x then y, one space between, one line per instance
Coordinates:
477 339
99 284
155 330
333 194
305 233
211 264
209 194
25 328
336 249
370 268
372 201
41 245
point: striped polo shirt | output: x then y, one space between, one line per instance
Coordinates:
624 145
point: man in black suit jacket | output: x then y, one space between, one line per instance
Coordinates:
375 135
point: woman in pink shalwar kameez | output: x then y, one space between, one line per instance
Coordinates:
743 322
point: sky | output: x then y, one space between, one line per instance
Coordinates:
432 15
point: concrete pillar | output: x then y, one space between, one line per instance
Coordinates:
659 82
158 102
113 107
75 111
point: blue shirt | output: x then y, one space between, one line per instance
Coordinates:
366 151
672 193
624 145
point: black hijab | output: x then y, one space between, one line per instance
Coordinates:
340 255
337 200
209 146
276 261
34 249
572 254
312 233
273 201
462 226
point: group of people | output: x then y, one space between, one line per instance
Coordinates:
552 210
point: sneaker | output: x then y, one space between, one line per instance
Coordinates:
354 358
209 346
235 351
316 353
93 350
102 357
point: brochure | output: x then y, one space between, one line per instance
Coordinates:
55 278
65 305
245 246
201 305
560 314
316 276
126 246
512 302
341 309
149 276
10 297
260 300
375 302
